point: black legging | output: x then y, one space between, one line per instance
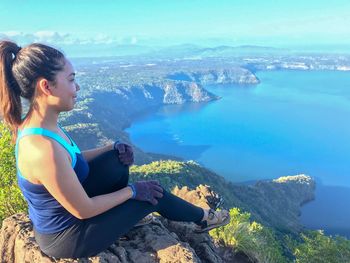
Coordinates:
93 235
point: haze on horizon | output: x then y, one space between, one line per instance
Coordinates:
90 24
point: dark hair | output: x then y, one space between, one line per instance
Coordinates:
20 68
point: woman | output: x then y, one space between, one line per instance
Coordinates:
79 202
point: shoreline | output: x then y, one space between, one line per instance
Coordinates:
304 207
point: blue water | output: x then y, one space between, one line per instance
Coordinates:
292 122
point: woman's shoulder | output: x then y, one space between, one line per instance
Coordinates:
35 144
36 148
39 154
36 154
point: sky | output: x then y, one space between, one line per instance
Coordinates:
166 22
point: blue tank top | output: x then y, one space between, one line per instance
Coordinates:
47 214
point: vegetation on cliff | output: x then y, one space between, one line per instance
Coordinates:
11 198
316 247
258 242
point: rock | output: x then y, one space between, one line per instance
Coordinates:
146 244
203 245
154 243
202 196
180 92
160 241
229 75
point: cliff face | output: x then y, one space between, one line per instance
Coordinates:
181 92
234 75
280 200
160 241
163 92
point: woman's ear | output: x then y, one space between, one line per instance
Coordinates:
44 86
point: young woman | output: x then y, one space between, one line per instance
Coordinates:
79 202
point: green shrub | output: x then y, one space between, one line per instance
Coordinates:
11 198
168 173
256 241
318 248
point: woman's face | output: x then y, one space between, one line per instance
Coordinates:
64 92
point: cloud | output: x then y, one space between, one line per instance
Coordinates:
56 38
11 33
50 37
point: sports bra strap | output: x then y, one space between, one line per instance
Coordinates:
40 131
75 147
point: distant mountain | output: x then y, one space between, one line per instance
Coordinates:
177 51
190 51
229 51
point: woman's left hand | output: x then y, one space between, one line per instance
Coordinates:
126 154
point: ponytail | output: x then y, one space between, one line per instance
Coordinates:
19 71
10 92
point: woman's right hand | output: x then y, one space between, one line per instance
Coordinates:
147 191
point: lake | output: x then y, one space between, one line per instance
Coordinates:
293 122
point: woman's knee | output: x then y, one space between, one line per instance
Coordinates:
111 159
120 170
107 173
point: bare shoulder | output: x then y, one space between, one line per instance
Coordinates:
39 155
37 147
35 144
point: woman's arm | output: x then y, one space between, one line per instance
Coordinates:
59 178
91 154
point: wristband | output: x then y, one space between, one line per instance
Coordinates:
133 191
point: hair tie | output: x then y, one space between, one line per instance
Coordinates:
18 49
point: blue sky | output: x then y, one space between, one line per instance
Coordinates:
165 22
